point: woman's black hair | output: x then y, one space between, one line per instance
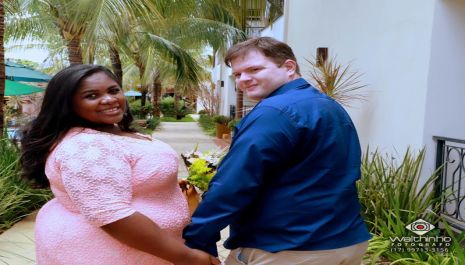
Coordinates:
56 117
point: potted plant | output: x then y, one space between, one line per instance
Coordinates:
221 125
232 124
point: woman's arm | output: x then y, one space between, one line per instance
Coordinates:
141 233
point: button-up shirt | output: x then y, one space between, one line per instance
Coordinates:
288 180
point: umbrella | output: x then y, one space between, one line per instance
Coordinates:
16 89
18 72
132 93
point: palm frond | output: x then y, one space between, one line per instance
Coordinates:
337 81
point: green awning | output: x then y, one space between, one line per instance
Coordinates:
18 72
17 89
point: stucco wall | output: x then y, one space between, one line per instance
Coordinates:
275 30
386 40
446 84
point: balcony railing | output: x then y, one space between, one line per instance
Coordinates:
253 32
450 154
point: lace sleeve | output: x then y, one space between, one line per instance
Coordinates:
97 177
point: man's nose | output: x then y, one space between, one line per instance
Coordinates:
244 77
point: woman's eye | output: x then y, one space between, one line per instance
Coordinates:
115 90
91 96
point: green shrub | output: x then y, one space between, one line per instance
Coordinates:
207 124
232 124
386 187
168 109
202 112
138 111
17 197
152 123
221 119
391 198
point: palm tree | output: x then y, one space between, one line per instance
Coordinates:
161 48
73 21
247 15
146 33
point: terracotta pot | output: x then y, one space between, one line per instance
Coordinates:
221 129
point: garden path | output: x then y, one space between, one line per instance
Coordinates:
17 244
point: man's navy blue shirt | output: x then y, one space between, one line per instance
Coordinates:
288 180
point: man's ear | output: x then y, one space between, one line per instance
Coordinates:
290 66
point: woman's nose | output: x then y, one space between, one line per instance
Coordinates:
108 99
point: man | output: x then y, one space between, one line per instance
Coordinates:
287 186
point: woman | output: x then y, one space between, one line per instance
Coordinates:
117 200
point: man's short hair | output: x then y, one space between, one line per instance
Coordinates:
276 50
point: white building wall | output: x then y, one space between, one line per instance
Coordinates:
275 30
226 88
446 83
386 40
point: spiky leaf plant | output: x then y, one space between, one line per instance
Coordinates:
337 81
17 198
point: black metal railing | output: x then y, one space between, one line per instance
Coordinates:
253 32
450 154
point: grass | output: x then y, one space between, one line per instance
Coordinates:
173 119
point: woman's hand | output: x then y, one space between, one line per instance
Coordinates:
191 195
140 232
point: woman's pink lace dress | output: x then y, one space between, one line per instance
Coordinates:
98 178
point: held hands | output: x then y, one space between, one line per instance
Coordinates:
196 257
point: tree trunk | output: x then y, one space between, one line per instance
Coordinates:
143 87
156 97
74 50
116 64
2 67
176 103
143 97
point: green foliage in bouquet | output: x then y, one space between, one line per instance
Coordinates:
200 174
202 166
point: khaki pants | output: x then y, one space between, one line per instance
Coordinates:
351 255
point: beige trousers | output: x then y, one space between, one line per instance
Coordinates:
351 255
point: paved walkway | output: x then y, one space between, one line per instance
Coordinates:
17 244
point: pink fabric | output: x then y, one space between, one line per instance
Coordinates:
98 178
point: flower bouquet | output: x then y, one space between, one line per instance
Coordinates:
201 168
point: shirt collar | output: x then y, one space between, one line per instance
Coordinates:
294 84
